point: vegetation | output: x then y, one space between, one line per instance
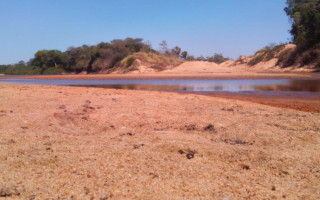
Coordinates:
19 69
305 30
305 17
153 59
104 57
217 58
291 57
267 53
101 57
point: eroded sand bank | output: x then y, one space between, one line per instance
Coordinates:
90 143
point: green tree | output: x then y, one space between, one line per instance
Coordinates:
78 58
305 16
49 58
217 58
184 55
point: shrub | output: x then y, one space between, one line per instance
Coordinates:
310 57
3 68
53 70
129 61
217 58
22 70
286 58
255 60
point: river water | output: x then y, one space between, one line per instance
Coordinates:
187 85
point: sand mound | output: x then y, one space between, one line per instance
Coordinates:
147 62
194 67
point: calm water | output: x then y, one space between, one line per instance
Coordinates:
188 85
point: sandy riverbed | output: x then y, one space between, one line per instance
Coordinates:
60 142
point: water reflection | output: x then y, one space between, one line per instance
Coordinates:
188 85
293 85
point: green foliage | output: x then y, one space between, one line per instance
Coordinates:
128 61
287 58
53 70
266 54
102 57
22 70
49 58
3 68
153 60
255 60
305 18
184 55
291 57
305 15
217 58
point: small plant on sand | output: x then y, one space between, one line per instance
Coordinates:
129 61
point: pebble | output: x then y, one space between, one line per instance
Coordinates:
8 192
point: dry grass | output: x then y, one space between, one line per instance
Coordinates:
266 54
153 60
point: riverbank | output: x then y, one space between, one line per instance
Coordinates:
306 103
216 75
309 102
77 143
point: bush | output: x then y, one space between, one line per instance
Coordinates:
53 70
23 70
266 54
286 58
255 60
3 68
217 58
291 57
310 57
129 61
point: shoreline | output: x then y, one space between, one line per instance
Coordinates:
309 103
261 75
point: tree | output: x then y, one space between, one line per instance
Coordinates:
201 58
305 16
217 58
163 47
176 51
190 58
49 58
184 55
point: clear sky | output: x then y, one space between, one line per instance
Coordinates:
201 27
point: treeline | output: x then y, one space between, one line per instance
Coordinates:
176 51
86 58
97 58
216 58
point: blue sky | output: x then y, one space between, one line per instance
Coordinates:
203 27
